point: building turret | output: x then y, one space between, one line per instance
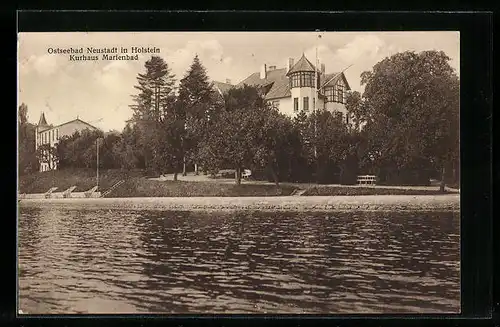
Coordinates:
42 122
39 128
302 85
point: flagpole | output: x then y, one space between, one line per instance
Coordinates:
316 112
315 100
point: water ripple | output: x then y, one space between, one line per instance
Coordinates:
100 261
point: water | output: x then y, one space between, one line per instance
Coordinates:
178 262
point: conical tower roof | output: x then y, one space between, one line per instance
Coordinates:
303 65
42 121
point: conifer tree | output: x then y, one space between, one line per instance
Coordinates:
156 94
197 106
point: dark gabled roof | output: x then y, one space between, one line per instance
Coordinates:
42 121
279 83
223 87
275 79
332 79
303 65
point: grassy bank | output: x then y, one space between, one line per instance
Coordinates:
141 187
339 190
83 179
137 185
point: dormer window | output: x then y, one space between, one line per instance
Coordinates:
329 94
335 94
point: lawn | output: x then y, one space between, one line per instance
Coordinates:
137 185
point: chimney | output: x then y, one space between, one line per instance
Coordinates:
272 68
263 72
228 81
323 69
290 64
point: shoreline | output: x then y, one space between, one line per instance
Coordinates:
448 202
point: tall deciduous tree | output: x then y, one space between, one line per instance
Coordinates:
277 142
27 157
412 104
331 143
357 110
79 150
126 150
250 134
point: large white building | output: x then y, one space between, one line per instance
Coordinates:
293 88
46 134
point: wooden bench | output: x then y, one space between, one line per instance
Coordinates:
89 193
367 179
48 194
67 193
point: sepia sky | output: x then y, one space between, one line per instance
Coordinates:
99 92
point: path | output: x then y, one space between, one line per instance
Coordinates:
191 177
277 203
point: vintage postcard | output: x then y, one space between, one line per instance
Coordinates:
238 172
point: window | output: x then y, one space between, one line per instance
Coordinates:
329 94
306 103
302 79
57 134
339 93
314 103
294 80
295 104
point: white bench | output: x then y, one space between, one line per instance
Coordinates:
246 173
367 179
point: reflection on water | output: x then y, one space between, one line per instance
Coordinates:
179 262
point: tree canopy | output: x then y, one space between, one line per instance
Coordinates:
411 109
404 125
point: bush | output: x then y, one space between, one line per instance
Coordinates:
404 177
353 191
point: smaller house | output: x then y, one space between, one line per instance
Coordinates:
46 134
